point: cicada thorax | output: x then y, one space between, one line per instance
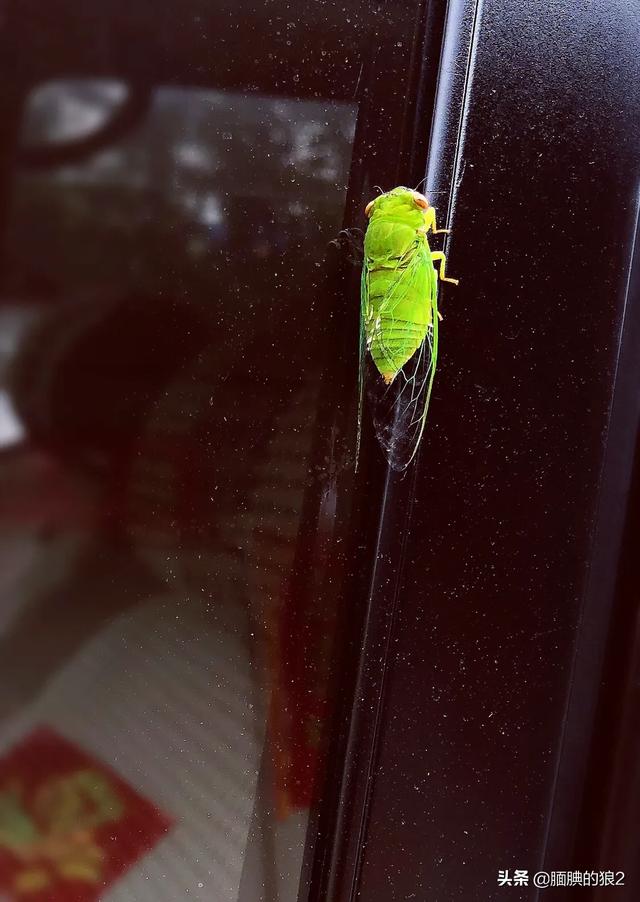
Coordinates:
399 272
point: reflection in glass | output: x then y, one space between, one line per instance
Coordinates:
159 374
69 110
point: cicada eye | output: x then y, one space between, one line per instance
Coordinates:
368 208
421 201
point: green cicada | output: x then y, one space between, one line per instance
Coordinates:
399 319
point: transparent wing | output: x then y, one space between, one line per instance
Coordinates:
399 410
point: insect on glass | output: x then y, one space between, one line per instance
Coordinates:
399 319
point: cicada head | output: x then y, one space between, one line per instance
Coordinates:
400 202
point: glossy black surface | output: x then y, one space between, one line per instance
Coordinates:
489 617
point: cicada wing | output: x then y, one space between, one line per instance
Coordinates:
399 410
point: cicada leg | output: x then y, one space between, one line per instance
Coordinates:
430 223
439 257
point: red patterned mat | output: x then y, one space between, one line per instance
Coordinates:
69 825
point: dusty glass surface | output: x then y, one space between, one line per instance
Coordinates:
162 342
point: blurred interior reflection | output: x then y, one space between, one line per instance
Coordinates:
160 355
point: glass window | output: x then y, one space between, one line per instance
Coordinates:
171 178
162 366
